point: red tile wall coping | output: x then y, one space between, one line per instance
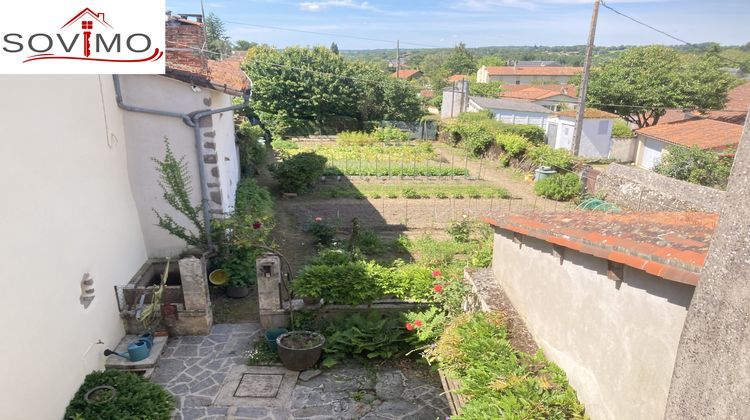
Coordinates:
670 245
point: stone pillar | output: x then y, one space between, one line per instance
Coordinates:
711 378
196 318
272 314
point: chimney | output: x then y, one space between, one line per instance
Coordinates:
185 40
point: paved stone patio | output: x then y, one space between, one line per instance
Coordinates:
196 369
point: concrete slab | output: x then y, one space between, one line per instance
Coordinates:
117 362
257 386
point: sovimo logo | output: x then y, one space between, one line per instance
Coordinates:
107 39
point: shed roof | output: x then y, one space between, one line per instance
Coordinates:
702 132
509 104
671 245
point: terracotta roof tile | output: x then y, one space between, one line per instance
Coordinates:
702 132
671 245
738 102
228 73
591 113
533 71
407 74
537 92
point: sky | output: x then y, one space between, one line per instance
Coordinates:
478 23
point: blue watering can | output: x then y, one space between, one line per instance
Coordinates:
137 350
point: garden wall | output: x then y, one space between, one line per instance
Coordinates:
642 190
617 341
622 149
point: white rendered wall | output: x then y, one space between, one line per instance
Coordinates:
616 341
68 209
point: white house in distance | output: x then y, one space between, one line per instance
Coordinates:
517 75
704 133
606 296
511 111
596 136
80 188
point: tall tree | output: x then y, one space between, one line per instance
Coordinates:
217 41
295 87
642 82
243 45
460 60
334 48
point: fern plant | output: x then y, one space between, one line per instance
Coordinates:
175 182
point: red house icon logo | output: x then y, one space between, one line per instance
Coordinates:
87 18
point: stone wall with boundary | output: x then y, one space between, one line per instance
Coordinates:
642 190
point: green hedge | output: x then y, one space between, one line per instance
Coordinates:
135 398
298 173
559 187
479 131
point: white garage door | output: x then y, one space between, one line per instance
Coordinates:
651 153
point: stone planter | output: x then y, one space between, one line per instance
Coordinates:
185 303
300 350
237 292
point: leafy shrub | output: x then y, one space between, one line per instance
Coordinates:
559 187
544 155
368 241
704 167
252 148
355 138
513 144
410 193
371 336
460 230
253 200
352 283
297 173
390 133
531 133
482 115
621 129
323 232
409 282
135 398
499 381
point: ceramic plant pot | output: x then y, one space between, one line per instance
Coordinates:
300 350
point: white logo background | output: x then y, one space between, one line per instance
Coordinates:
38 21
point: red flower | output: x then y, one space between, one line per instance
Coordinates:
318 219
436 273
418 323
438 288
409 326
257 225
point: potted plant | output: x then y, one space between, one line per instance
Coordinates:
300 350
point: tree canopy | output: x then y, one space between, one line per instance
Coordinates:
243 45
297 87
460 60
217 41
486 90
642 82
